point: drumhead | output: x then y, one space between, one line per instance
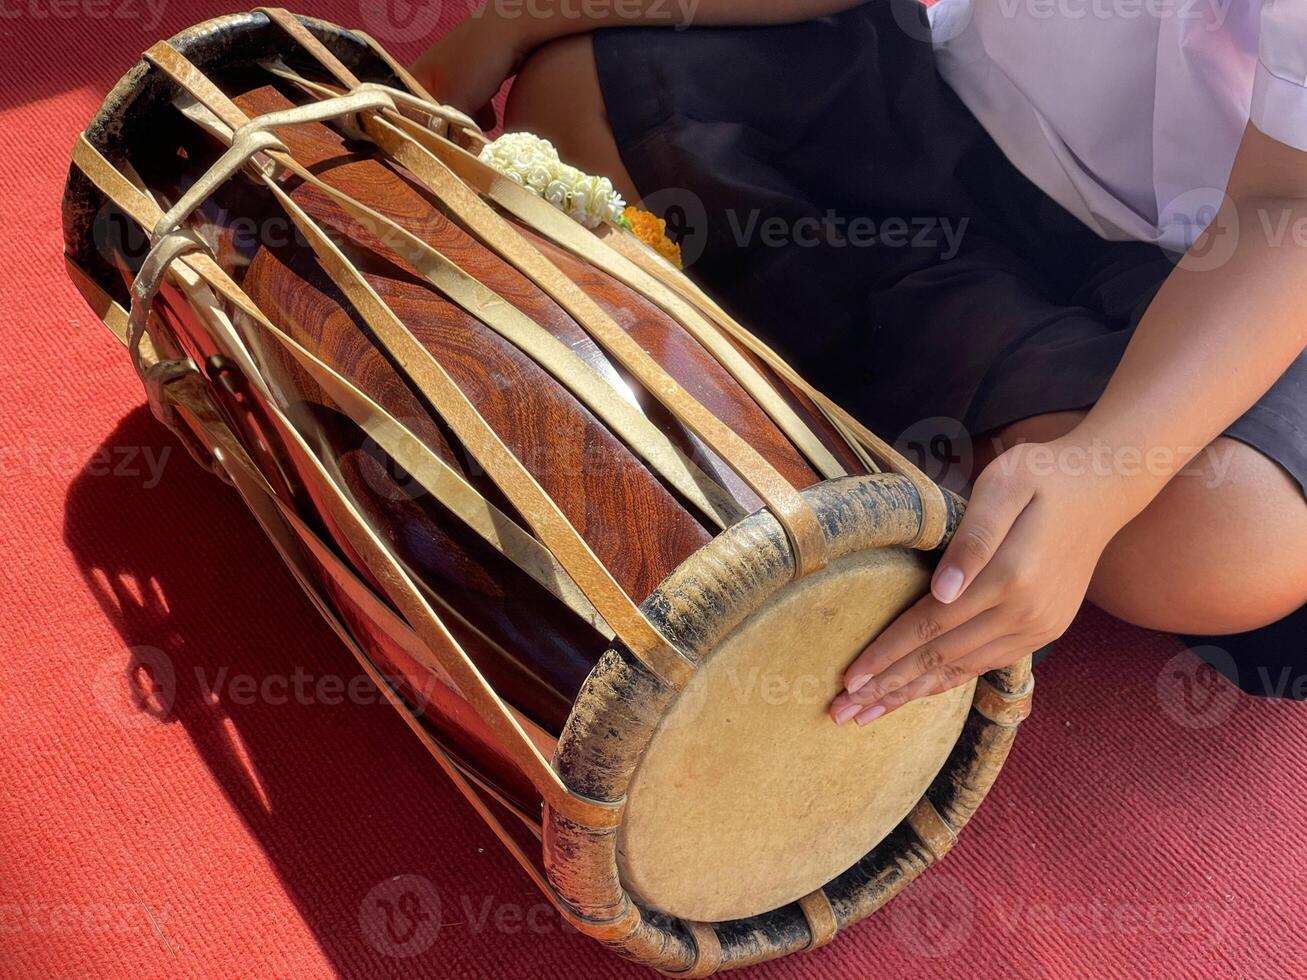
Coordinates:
752 826
748 796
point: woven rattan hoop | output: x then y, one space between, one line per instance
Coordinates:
620 706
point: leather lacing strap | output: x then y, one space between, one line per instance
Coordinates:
440 390
1006 708
707 950
809 544
417 98
247 142
817 912
146 286
458 671
444 116
444 113
931 828
551 223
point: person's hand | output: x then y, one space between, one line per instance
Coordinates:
468 66
1011 580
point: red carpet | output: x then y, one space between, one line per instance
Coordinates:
174 834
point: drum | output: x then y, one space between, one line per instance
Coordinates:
602 548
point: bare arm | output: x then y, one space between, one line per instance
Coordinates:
469 64
1226 324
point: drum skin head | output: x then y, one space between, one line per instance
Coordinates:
748 796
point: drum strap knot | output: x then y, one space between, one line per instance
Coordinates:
931 828
707 950
145 287
1005 708
820 916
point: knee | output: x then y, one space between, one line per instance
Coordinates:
557 95
1221 550
557 82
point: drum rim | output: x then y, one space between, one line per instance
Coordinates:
617 711
229 40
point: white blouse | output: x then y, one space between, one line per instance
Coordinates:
1128 112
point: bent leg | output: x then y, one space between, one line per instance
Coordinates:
557 95
1221 550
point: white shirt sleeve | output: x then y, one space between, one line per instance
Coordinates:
1279 107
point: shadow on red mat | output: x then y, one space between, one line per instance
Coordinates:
1146 822
340 796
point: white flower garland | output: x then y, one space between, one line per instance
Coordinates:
533 162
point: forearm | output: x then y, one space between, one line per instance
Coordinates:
1223 328
535 22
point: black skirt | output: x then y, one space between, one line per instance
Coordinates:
831 190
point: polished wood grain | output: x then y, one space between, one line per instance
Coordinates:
534 650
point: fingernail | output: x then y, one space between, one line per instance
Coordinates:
870 715
948 583
858 683
847 712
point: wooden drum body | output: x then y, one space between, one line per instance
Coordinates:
604 550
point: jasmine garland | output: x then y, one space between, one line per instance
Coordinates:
533 162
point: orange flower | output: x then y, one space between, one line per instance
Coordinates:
652 230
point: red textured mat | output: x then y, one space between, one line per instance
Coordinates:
1149 823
